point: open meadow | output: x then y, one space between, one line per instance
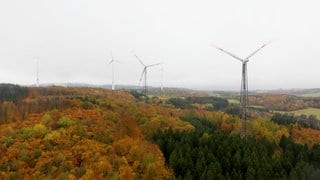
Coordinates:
307 111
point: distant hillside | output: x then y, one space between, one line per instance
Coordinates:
297 92
167 91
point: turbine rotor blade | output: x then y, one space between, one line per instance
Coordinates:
112 60
111 55
154 65
264 45
230 54
139 59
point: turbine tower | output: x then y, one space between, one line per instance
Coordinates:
144 73
112 62
161 89
37 71
244 100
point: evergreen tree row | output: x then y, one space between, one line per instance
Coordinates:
302 120
213 103
10 92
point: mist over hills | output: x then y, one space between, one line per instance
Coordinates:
156 90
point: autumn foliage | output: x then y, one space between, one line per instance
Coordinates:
82 133
90 133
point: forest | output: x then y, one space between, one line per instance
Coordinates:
209 103
302 120
208 153
10 92
73 133
284 102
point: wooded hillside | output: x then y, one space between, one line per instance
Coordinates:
72 133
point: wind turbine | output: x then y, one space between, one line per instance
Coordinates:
144 73
244 101
112 62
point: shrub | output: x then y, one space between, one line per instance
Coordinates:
26 133
51 136
39 130
65 122
8 140
46 119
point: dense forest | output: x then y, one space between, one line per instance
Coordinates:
73 133
209 103
208 153
301 120
10 92
82 133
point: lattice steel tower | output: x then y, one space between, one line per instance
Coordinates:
244 99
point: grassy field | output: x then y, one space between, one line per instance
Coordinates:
214 95
307 111
236 101
233 101
256 107
312 95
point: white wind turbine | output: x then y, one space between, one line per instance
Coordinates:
144 73
244 100
113 61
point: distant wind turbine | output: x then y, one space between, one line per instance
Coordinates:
113 66
144 73
244 101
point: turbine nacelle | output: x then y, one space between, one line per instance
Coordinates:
113 60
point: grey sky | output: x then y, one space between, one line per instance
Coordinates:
72 39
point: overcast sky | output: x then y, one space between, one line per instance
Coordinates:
73 40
